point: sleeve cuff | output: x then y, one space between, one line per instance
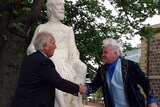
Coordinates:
151 100
87 91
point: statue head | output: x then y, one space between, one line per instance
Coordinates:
55 8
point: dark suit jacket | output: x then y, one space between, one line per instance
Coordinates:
37 82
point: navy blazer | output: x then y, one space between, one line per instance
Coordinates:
37 82
133 77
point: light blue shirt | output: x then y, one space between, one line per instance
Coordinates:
110 68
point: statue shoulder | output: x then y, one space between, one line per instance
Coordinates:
67 27
40 26
45 27
51 27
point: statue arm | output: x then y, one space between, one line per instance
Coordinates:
77 64
31 47
73 51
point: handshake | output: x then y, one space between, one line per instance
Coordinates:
82 89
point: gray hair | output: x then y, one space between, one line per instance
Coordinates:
41 39
117 47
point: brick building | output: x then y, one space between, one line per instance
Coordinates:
154 61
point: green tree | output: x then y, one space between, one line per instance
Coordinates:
19 18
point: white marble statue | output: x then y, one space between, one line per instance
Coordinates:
66 55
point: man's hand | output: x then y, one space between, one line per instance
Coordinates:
152 105
82 89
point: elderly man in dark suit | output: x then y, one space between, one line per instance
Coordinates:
39 78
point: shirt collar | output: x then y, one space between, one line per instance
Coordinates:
44 54
113 64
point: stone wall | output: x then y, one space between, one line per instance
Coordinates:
154 61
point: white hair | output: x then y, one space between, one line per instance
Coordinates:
41 39
117 47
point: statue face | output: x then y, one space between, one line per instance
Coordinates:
56 7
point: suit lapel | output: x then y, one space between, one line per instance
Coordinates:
125 70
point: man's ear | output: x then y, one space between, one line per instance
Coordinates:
45 46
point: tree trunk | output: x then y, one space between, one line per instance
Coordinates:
13 48
11 56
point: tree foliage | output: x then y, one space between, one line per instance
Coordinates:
136 11
92 22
